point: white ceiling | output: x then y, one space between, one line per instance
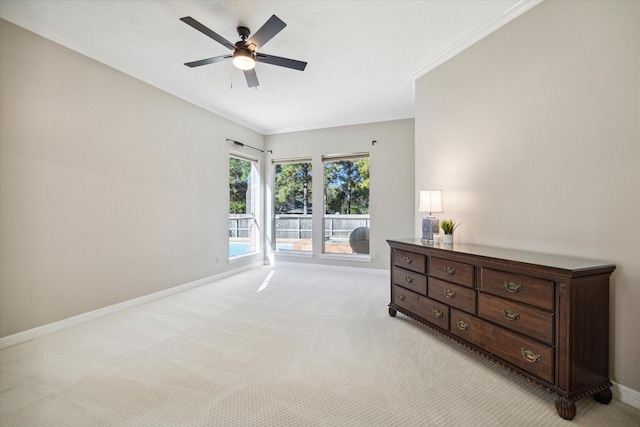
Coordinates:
363 56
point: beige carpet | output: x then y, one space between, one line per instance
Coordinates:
270 347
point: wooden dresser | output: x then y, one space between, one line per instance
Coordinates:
544 317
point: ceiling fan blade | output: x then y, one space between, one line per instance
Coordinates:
281 62
207 32
252 77
207 61
270 28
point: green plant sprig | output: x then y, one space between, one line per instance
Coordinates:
448 226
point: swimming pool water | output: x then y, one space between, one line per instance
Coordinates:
239 248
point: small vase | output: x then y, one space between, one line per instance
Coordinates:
447 239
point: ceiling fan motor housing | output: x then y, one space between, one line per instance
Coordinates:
244 32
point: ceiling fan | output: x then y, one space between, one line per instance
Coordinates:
245 52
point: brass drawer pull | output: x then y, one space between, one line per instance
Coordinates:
400 297
408 260
529 355
510 315
449 293
449 270
462 325
437 313
512 286
408 279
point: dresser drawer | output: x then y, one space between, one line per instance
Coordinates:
410 280
452 271
423 307
521 318
527 354
410 261
453 295
528 290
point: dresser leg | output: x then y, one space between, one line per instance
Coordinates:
392 312
566 408
603 396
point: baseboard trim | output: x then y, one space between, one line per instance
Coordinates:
40 331
626 395
621 393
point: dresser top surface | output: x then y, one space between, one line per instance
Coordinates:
562 262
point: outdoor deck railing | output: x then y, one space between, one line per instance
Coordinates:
300 226
240 225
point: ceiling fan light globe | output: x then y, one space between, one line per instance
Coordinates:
243 59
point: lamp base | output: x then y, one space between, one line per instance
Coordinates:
430 227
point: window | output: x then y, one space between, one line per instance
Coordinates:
346 210
293 205
243 201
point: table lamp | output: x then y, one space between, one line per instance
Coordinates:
430 202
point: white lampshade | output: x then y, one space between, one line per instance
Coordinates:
431 201
243 59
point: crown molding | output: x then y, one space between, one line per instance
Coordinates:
360 120
105 59
40 30
37 28
477 35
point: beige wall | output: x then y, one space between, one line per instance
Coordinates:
391 196
534 135
110 189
